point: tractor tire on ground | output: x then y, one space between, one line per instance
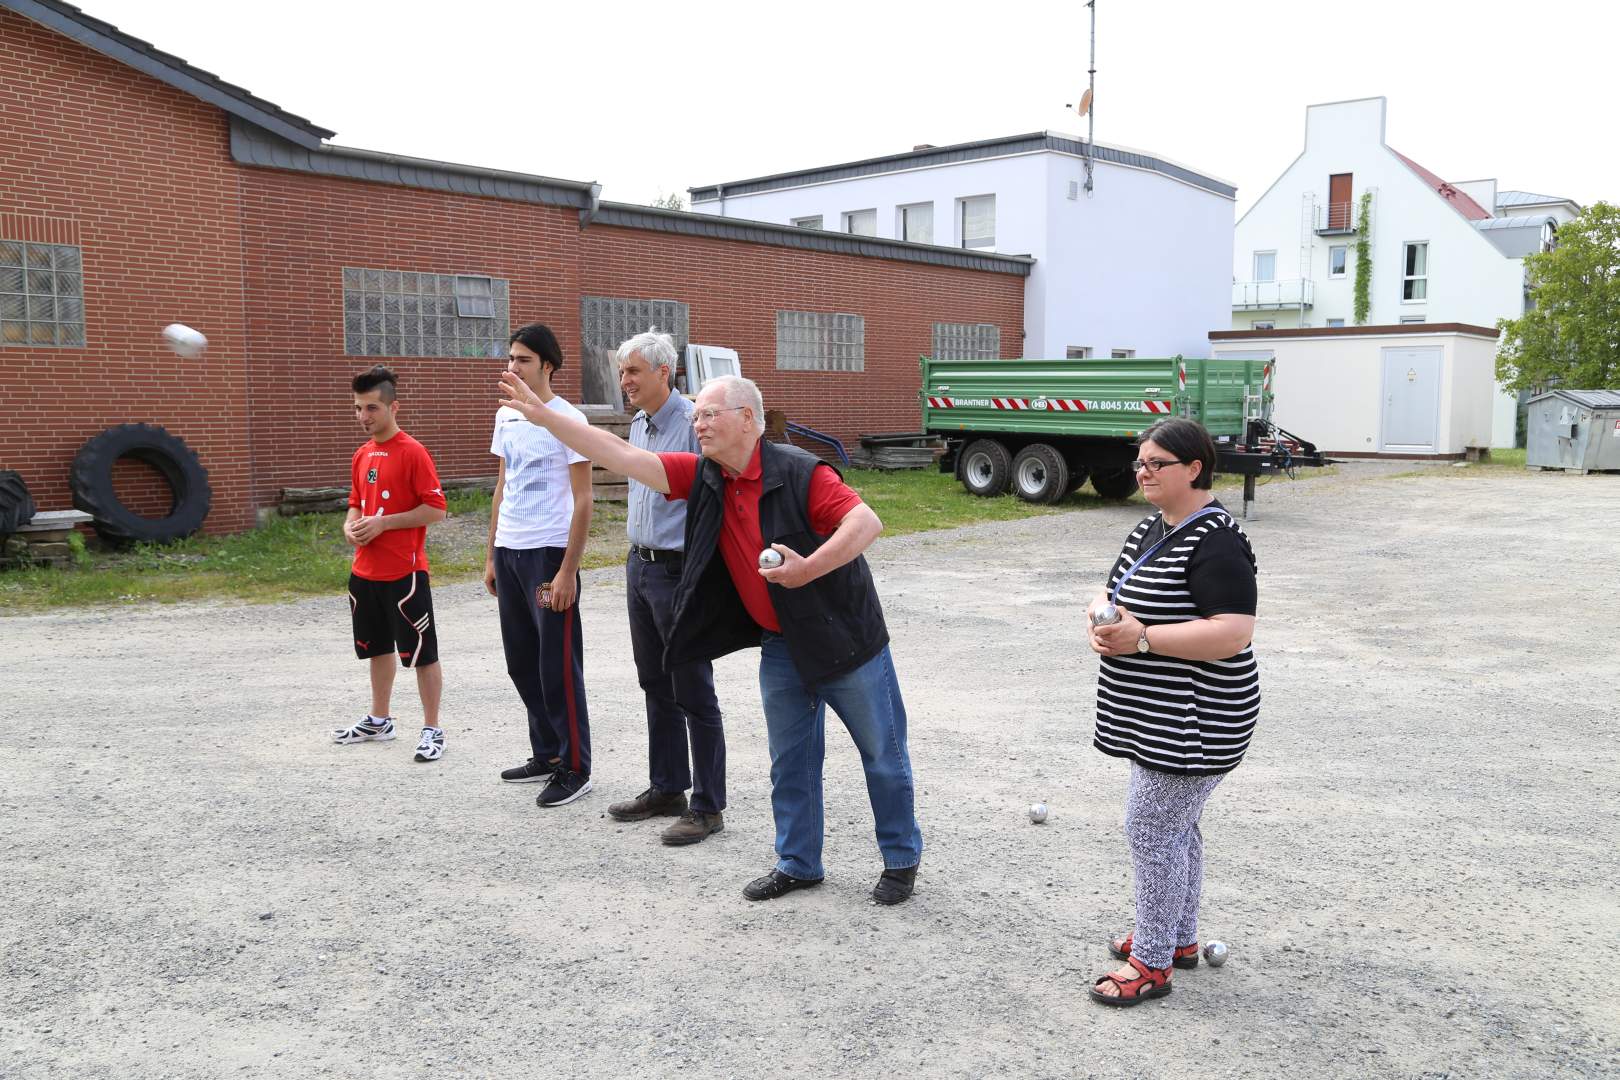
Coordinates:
986 467
1039 474
92 481
16 505
1114 484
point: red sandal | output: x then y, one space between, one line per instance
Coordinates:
1186 956
1149 983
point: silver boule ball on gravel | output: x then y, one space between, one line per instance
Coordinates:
1037 813
1215 953
770 559
1106 615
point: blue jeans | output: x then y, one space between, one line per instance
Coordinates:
868 701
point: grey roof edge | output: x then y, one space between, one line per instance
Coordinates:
1592 399
252 145
112 42
1517 221
1515 197
657 219
959 152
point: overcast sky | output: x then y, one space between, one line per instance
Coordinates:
650 98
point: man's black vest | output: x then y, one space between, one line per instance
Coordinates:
832 625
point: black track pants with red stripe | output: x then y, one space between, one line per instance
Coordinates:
545 656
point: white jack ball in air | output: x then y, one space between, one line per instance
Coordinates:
1037 813
184 340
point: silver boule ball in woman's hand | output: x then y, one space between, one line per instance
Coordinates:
770 559
1037 813
1215 953
1106 615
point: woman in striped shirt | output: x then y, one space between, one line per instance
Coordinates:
1177 695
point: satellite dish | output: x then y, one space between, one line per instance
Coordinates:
1085 104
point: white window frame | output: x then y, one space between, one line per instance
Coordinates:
1122 354
1256 265
1408 279
902 214
1343 270
813 221
980 243
849 217
1332 323
1077 352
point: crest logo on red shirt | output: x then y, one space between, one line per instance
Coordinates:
371 475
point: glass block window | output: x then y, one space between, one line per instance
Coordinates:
403 313
820 341
967 341
41 294
606 322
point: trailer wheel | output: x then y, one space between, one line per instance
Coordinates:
1077 477
1114 484
1040 475
986 467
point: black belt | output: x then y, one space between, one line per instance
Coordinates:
654 555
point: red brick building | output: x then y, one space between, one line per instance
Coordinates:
152 192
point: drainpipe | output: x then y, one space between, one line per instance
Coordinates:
589 213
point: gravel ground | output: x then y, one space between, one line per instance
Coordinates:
1415 868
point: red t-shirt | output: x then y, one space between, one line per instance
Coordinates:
740 538
393 477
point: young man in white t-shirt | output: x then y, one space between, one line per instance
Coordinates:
538 528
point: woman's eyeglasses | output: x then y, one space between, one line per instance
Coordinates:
1153 464
706 416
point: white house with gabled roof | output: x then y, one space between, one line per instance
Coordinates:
1131 263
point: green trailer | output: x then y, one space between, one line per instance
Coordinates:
1044 427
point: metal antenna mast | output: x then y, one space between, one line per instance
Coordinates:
1091 94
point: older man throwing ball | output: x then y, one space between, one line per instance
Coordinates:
816 617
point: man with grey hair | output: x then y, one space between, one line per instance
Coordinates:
773 559
681 705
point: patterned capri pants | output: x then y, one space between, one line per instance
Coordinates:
1161 822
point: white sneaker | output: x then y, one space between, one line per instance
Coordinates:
366 730
432 745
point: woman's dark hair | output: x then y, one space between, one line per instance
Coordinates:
1189 442
538 339
377 378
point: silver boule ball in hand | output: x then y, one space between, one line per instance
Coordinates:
770 559
1106 615
1037 813
1215 953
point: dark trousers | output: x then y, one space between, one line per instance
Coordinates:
545 656
680 703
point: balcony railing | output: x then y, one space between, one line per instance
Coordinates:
1269 295
1336 219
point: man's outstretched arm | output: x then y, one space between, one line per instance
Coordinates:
602 447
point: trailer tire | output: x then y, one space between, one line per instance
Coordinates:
986 467
1077 477
1039 474
1114 483
92 483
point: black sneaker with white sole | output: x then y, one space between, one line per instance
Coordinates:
564 788
431 745
530 772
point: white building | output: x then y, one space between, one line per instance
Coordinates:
1436 256
1137 265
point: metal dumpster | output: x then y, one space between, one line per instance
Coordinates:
1576 430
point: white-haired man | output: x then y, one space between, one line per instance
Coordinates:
816 617
682 712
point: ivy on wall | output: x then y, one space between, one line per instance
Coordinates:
1363 258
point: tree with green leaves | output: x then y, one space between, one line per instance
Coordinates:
672 201
1571 338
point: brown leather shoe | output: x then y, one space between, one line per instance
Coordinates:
694 826
650 803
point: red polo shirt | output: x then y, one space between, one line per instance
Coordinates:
740 538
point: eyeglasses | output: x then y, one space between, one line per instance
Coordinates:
1153 464
706 416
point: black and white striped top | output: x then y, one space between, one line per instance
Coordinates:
1192 717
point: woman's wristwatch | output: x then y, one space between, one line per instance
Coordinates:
1142 642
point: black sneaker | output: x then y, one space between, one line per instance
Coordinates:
564 788
530 772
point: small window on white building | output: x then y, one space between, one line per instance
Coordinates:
1122 354
812 222
1331 323
915 223
1415 282
1264 324
1338 258
977 219
1078 352
1412 318
861 222
1549 236
1265 266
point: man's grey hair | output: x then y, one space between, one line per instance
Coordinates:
655 348
741 391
